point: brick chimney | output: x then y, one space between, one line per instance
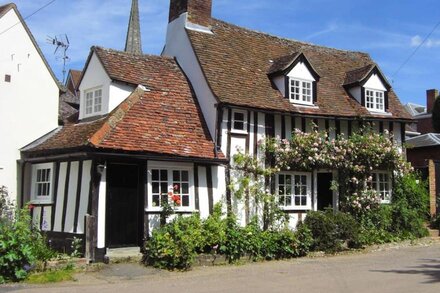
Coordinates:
199 11
431 95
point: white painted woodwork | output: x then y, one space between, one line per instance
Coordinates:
71 197
278 128
84 195
36 218
28 104
102 197
57 226
203 193
47 218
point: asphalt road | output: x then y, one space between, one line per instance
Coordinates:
399 269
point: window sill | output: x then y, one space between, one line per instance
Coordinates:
177 210
379 113
305 105
244 132
41 202
291 209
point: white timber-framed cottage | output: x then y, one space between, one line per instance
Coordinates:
28 88
148 123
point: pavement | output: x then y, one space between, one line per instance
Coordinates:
389 268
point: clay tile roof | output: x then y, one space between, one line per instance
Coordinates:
358 75
159 120
138 69
76 76
282 63
236 62
5 8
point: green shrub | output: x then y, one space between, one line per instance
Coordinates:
407 222
331 230
174 245
305 239
435 222
20 247
412 190
235 245
214 230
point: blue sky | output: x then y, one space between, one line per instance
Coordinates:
389 30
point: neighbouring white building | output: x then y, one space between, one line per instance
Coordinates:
29 94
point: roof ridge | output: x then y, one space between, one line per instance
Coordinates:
289 39
131 54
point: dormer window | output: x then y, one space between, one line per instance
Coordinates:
301 91
375 100
295 78
369 87
93 101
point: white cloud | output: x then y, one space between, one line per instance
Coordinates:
328 29
430 43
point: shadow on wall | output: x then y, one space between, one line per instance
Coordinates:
428 267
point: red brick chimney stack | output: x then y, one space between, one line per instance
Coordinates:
431 95
199 11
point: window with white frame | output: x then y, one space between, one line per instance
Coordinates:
239 121
293 190
382 184
171 184
301 91
93 101
42 183
375 100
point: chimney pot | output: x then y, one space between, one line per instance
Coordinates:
431 96
199 11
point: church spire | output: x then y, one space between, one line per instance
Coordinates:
133 42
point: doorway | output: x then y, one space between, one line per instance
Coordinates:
123 205
325 194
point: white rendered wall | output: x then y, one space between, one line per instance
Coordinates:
178 45
375 83
118 93
300 71
95 77
28 104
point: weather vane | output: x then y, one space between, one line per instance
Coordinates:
61 42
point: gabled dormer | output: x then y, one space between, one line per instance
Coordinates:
369 87
295 78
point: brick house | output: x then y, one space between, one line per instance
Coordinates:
147 124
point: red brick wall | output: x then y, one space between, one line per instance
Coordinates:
418 157
424 125
199 11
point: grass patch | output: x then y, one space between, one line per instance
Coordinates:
52 276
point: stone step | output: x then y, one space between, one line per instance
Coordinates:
434 232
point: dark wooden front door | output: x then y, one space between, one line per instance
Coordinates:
123 205
325 195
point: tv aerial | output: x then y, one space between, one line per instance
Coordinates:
62 44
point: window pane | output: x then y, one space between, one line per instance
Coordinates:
156 200
238 116
176 175
155 174
297 201
164 188
238 125
281 179
185 176
185 200
156 187
288 200
163 175
185 188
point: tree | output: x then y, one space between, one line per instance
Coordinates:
436 115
